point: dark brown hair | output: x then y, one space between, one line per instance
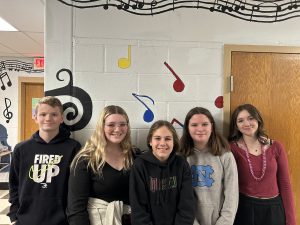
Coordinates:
235 134
216 142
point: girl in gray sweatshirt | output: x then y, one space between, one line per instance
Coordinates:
213 167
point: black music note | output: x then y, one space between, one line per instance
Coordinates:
105 6
278 9
7 114
8 82
141 4
213 7
153 4
225 7
254 8
126 6
2 66
120 6
240 6
293 5
138 5
148 115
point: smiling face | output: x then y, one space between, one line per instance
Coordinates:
115 128
247 124
200 129
162 143
48 118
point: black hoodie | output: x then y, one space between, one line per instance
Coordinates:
38 179
161 193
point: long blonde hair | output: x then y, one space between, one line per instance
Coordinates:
94 149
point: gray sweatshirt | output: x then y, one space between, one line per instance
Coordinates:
215 182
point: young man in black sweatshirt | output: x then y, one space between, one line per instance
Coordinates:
38 178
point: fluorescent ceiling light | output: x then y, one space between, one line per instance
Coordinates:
5 26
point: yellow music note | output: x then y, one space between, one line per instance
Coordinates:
124 63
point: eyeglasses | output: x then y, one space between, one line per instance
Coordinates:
122 125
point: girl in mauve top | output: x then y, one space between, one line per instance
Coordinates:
264 184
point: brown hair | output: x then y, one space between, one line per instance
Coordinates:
216 142
235 134
163 123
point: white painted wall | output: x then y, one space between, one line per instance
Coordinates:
89 42
12 93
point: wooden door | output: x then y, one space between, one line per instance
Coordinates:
271 82
31 90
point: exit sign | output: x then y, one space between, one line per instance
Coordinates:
38 63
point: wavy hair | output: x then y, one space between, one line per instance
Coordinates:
216 143
235 134
94 148
163 123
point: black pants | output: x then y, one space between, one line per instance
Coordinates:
255 211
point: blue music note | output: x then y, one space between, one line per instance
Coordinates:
148 115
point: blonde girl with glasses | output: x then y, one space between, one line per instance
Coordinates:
99 179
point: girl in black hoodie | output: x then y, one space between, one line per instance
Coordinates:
160 182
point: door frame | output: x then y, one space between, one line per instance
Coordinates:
22 81
228 49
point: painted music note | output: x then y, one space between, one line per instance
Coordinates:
6 113
293 5
213 7
278 9
105 6
178 85
240 6
254 8
176 121
124 63
148 115
126 6
120 5
138 5
2 66
141 4
219 102
8 82
153 4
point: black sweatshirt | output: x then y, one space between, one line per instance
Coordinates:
38 179
161 193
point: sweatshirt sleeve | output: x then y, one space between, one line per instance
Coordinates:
139 201
14 185
186 204
78 195
284 185
231 190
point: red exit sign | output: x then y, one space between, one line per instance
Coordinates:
38 63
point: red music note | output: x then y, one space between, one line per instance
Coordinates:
219 102
178 85
8 82
176 121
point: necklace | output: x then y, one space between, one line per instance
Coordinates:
264 163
